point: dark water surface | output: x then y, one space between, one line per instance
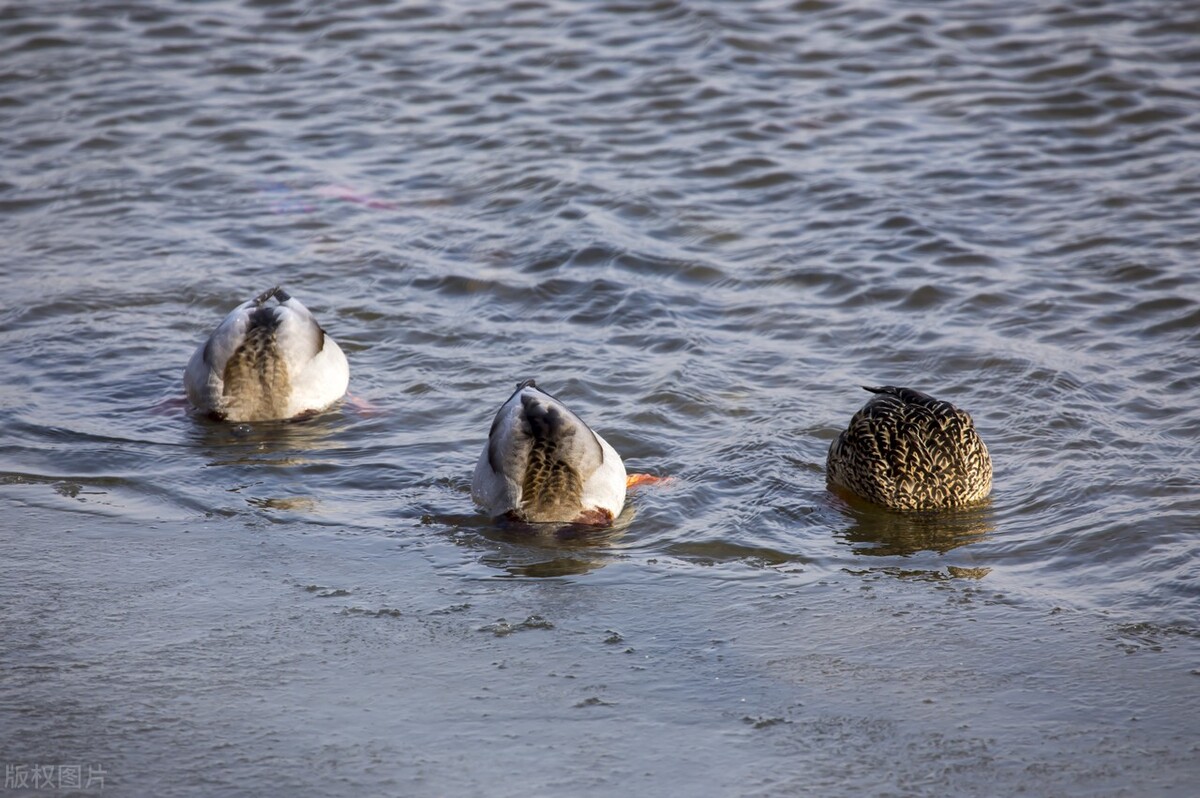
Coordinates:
702 225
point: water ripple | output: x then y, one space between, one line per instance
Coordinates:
702 225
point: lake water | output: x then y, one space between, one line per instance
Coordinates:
702 225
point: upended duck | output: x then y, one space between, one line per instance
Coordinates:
543 464
905 450
267 362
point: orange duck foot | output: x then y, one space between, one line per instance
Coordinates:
637 480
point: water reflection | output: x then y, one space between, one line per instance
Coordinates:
709 552
239 459
875 532
282 443
293 504
519 564
539 550
927 575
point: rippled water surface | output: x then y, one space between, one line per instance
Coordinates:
702 225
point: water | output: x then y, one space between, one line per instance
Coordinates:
702 225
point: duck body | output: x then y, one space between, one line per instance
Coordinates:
267 362
543 464
905 450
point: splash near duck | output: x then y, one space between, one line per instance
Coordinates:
543 464
267 362
905 450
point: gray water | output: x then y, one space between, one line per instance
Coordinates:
702 225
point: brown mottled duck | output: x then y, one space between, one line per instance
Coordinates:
905 450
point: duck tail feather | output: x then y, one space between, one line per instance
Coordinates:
276 292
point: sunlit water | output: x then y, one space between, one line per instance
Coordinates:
703 226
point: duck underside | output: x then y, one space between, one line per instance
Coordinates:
552 490
552 487
257 385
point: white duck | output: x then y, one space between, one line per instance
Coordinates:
542 464
267 362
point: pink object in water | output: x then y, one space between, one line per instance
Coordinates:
170 406
347 194
363 407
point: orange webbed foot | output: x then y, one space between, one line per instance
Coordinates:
638 480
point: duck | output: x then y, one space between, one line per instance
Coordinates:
543 464
267 362
907 451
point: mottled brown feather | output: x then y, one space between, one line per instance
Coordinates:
551 486
256 379
905 450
